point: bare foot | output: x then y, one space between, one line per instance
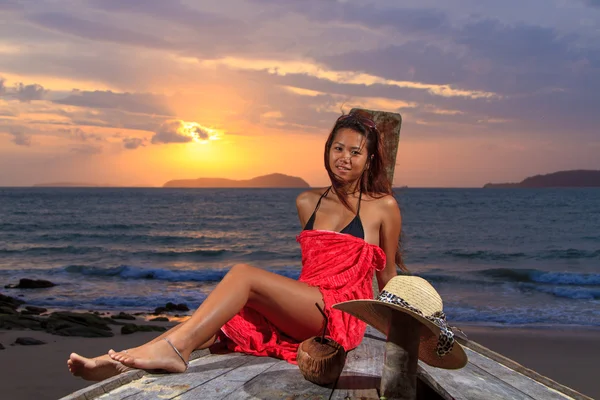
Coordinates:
157 355
95 369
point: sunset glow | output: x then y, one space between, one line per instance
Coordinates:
110 94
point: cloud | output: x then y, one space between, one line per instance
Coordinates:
138 111
79 135
173 11
106 118
18 133
143 103
171 132
415 61
177 131
21 92
133 143
200 132
27 93
409 20
69 24
346 77
21 139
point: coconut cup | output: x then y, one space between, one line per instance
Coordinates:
321 360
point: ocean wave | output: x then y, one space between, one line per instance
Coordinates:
545 255
120 238
484 255
191 253
129 302
544 277
517 316
44 250
173 253
162 274
575 293
568 285
456 279
567 254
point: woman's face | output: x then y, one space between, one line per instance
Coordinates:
348 154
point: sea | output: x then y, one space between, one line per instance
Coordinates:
516 257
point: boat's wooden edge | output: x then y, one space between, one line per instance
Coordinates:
515 366
106 386
98 389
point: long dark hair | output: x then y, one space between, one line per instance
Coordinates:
373 180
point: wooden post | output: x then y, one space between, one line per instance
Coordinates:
399 375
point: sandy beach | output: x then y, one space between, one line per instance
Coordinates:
40 371
568 356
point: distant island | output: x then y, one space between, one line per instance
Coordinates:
574 178
266 181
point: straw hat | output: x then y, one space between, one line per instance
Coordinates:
414 297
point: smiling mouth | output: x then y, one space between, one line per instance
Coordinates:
339 167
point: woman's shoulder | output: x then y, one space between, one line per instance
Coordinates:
382 201
380 198
309 197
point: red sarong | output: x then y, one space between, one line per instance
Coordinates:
342 267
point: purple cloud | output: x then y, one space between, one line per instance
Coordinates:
18 133
133 143
170 132
21 92
143 103
93 29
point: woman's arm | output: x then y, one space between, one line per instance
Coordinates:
303 203
389 234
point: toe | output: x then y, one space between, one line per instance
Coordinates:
129 362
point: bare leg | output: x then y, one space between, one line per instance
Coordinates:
103 367
287 303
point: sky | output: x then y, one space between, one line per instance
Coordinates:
136 93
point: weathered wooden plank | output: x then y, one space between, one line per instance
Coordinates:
361 376
519 381
474 383
98 389
229 382
281 381
168 386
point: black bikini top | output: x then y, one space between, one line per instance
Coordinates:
354 228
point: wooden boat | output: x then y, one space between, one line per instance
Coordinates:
233 376
236 376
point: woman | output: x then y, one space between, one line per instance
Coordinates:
351 229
